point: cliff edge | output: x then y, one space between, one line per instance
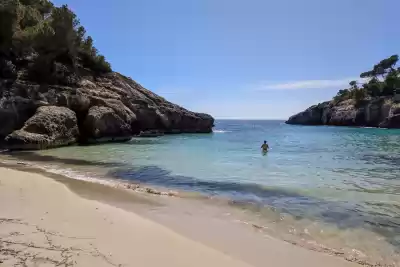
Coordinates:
56 89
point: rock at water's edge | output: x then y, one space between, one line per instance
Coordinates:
311 116
377 112
104 124
51 126
109 107
393 120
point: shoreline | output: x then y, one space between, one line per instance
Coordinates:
73 231
140 202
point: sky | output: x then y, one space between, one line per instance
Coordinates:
248 59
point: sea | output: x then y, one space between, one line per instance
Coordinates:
335 189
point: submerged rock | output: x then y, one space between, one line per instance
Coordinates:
51 126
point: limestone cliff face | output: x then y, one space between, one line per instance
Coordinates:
378 112
108 107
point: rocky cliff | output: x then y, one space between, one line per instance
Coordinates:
56 89
81 106
381 112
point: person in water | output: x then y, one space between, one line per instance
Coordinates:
265 146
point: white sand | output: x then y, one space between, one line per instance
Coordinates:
43 223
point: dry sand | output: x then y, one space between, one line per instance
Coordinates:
43 223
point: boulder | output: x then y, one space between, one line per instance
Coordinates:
104 124
51 126
14 111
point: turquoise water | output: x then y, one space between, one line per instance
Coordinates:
348 177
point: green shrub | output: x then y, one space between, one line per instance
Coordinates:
382 80
53 33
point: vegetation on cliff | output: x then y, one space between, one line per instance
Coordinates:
45 35
56 89
382 80
373 102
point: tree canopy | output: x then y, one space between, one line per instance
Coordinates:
52 34
382 80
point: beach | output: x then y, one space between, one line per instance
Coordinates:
328 189
44 223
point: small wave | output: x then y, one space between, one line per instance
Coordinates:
76 175
220 131
272 211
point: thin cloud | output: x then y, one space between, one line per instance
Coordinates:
307 84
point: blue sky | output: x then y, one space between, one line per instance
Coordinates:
242 59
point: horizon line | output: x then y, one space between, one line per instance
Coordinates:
251 119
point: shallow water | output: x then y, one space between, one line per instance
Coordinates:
339 185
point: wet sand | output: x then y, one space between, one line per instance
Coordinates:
62 222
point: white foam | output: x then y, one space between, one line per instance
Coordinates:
220 131
78 175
